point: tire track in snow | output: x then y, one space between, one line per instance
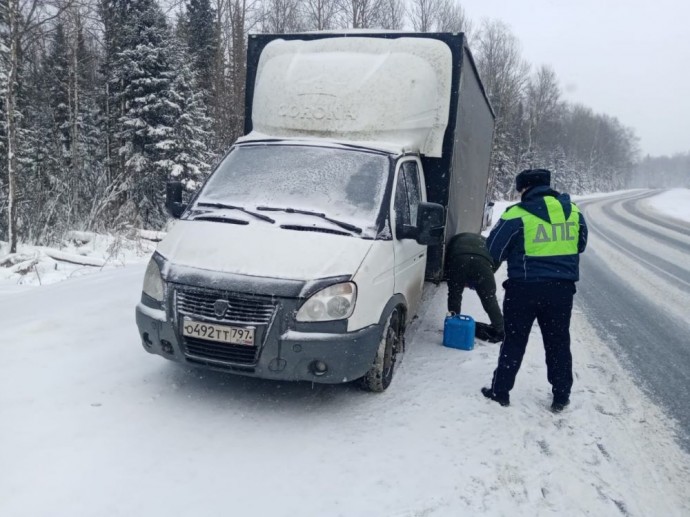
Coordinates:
678 244
645 212
667 269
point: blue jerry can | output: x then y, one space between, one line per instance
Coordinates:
458 332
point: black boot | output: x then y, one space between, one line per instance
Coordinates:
498 337
559 403
487 333
502 398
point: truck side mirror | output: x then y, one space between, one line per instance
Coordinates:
430 223
173 199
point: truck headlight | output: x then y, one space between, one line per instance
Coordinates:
153 282
335 302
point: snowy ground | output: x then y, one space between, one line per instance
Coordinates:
92 425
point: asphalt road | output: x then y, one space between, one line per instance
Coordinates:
635 290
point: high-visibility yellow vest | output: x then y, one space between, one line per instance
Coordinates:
544 239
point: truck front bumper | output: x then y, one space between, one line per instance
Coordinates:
283 354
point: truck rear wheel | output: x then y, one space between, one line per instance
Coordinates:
379 377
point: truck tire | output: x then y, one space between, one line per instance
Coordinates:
379 377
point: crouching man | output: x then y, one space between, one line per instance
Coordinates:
469 264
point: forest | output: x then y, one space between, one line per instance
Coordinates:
104 101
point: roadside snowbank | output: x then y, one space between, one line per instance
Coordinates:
80 253
674 203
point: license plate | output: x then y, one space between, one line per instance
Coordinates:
218 333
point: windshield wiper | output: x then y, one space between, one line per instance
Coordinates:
241 209
347 226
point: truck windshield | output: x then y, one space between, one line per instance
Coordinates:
345 185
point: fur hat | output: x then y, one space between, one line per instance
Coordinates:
532 178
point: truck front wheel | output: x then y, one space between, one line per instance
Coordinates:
379 377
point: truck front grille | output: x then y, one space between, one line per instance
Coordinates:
202 349
200 304
193 302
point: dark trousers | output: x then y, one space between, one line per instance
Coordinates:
551 304
475 271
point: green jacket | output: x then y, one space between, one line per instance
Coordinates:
468 244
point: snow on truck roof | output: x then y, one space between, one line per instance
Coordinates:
392 91
385 147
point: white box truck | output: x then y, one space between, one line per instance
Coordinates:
305 253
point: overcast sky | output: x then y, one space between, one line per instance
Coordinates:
626 58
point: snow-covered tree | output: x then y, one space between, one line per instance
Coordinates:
504 73
242 15
189 157
452 18
163 126
391 15
4 79
11 17
361 14
60 149
319 15
423 14
143 74
438 16
281 16
203 41
663 171
57 84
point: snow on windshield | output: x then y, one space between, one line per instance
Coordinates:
347 185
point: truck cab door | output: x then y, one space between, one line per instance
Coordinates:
410 256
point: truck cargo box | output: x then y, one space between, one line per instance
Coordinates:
456 147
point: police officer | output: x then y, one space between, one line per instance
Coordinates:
541 239
469 264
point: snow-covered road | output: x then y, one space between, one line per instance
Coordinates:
93 425
635 289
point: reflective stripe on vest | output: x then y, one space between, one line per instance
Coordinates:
543 239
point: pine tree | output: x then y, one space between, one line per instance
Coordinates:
87 145
201 37
144 74
38 156
56 82
189 155
111 13
4 78
11 41
202 42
